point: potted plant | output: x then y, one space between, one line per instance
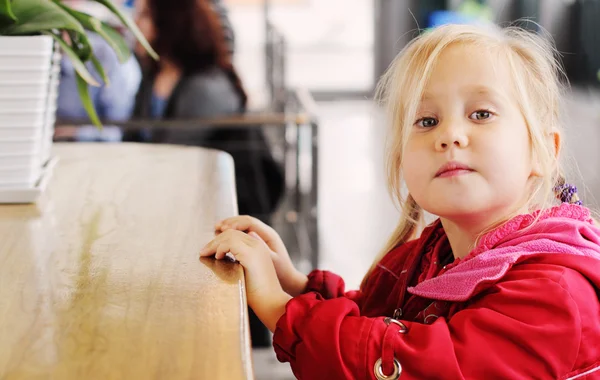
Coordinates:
33 34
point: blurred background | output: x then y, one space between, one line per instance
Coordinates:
309 68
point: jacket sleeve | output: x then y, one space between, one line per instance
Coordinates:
515 331
329 285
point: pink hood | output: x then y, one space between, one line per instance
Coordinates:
564 235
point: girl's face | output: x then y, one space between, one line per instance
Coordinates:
468 155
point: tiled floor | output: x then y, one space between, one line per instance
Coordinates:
356 214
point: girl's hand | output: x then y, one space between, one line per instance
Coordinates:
265 295
292 281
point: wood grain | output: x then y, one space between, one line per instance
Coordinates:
101 279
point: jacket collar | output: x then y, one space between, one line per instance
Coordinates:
565 229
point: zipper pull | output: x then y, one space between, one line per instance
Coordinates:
397 313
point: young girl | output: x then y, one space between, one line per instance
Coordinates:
503 285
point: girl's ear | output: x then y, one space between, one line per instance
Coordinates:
555 140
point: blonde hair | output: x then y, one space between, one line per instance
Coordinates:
536 75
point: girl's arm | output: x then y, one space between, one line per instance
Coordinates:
329 285
326 284
516 331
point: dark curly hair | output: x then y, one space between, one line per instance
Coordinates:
189 33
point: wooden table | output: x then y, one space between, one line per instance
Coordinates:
101 279
294 129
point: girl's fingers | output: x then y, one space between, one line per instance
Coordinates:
238 243
256 236
208 249
236 222
241 223
222 251
212 247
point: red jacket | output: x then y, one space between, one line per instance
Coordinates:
523 305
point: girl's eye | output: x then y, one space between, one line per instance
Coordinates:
481 115
427 122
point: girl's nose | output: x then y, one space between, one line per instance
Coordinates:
451 136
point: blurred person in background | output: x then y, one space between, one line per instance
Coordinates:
113 101
195 78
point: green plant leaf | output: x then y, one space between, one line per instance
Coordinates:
80 45
111 36
100 69
86 100
36 16
6 14
116 41
77 63
131 25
